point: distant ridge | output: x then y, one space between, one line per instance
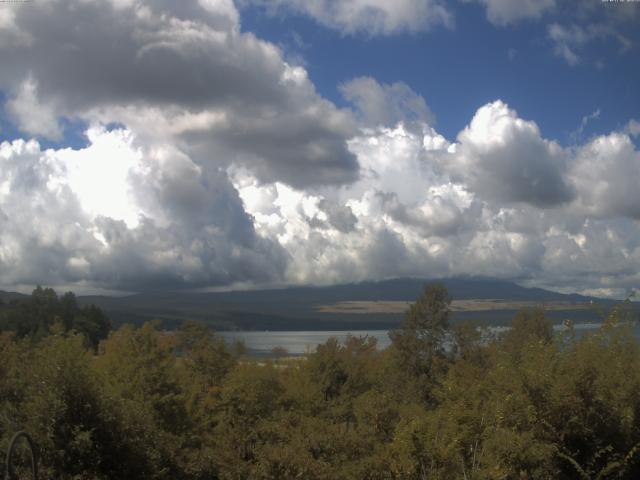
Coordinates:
401 289
406 289
295 308
8 296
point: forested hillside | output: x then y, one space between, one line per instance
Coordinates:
183 405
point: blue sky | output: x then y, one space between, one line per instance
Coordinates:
157 145
461 68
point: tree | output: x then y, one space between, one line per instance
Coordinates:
419 344
251 394
36 315
204 354
529 324
92 323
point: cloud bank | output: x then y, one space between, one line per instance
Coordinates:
500 201
210 161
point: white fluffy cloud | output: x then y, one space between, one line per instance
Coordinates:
153 220
30 115
504 159
386 105
369 17
501 201
225 96
606 172
211 161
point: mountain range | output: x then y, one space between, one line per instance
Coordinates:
313 308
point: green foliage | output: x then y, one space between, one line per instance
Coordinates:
205 357
419 344
529 325
440 403
44 311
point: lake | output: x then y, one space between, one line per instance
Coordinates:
303 342
298 343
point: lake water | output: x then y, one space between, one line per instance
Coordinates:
300 343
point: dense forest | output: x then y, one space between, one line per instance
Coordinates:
440 403
44 312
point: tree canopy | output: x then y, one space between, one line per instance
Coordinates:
440 403
44 310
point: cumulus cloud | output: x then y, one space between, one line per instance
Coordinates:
369 17
232 95
225 165
397 219
30 115
504 159
149 205
505 12
633 128
501 201
185 228
423 206
386 105
606 172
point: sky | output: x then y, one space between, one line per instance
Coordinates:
212 144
